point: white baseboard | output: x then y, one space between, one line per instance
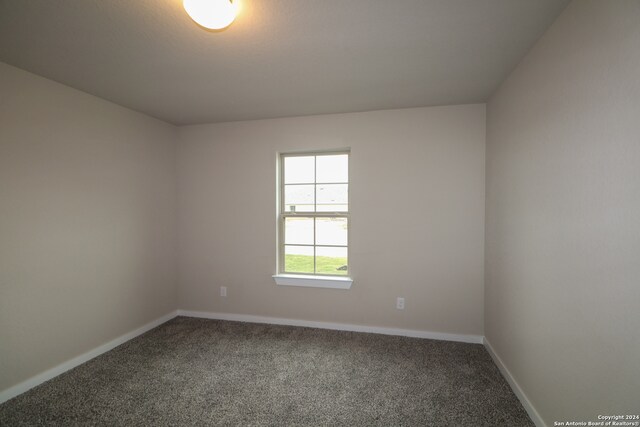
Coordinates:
72 363
475 339
531 410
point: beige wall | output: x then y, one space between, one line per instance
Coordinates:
417 206
563 215
87 243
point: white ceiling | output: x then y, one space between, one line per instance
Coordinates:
279 58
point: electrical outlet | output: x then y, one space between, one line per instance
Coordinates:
223 291
400 303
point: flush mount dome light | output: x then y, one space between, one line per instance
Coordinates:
212 14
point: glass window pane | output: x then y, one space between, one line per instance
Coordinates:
331 260
331 231
298 198
298 231
299 170
298 259
333 168
332 198
332 208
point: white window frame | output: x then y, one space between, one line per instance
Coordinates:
321 280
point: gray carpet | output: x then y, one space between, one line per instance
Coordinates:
207 372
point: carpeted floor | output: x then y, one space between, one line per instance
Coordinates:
208 372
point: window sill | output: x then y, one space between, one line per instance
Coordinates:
331 282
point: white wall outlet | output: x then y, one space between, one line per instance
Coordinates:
223 291
400 303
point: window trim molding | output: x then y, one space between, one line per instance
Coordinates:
317 279
309 281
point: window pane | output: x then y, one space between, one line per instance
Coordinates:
331 231
298 231
331 260
299 170
298 259
298 198
332 198
332 168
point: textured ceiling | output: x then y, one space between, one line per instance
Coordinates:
279 58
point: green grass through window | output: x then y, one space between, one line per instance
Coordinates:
324 265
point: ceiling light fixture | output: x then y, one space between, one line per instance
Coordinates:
212 14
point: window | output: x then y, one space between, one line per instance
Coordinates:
314 214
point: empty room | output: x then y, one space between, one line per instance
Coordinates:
320 212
